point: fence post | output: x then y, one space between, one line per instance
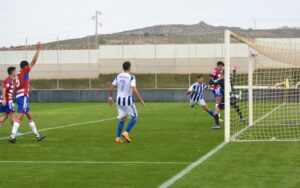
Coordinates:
57 63
155 75
89 61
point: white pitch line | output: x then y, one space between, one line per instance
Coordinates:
185 171
65 126
96 162
256 121
208 155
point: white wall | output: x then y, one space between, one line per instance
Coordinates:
164 58
51 56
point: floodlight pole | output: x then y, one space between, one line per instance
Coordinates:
97 13
227 85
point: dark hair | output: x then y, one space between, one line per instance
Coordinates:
220 63
126 65
200 76
24 64
10 70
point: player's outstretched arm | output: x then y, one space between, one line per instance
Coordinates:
36 56
110 94
137 93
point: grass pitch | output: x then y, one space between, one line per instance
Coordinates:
79 151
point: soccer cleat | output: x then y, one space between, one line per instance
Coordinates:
40 138
118 140
126 136
216 127
12 140
220 119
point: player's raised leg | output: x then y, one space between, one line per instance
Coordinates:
207 109
133 113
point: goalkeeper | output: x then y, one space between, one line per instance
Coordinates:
234 96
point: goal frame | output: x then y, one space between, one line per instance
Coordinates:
249 87
228 138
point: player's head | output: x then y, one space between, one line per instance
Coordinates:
220 65
11 71
200 79
126 66
24 64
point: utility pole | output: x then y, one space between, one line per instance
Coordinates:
97 24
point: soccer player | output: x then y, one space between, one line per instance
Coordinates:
126 85
6 100
233 94
233 98
22 88
217 87
196 95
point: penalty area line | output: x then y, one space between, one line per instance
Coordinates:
64 126
193 165
99 162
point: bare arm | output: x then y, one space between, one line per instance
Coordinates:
3 96
137 93
188 91
36 56
110 94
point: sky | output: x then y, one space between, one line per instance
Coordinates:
49 20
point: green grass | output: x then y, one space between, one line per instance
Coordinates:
159 136
165 132
247 165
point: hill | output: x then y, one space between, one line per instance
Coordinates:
166 34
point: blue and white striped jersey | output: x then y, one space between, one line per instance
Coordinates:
197 91
124 82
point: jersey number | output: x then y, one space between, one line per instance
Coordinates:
17 82
122 84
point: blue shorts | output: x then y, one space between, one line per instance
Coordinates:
8 108
23 104
217 92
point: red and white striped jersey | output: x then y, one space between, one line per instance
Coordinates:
22 82
8 84
216 75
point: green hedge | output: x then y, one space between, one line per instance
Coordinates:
104 81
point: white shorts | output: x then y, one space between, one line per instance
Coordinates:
124 111
201 102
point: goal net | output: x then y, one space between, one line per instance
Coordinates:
262 89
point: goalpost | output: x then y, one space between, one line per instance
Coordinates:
262 89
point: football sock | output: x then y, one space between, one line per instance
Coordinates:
33 128
120 128
131 124
15 128
217 119
211 113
